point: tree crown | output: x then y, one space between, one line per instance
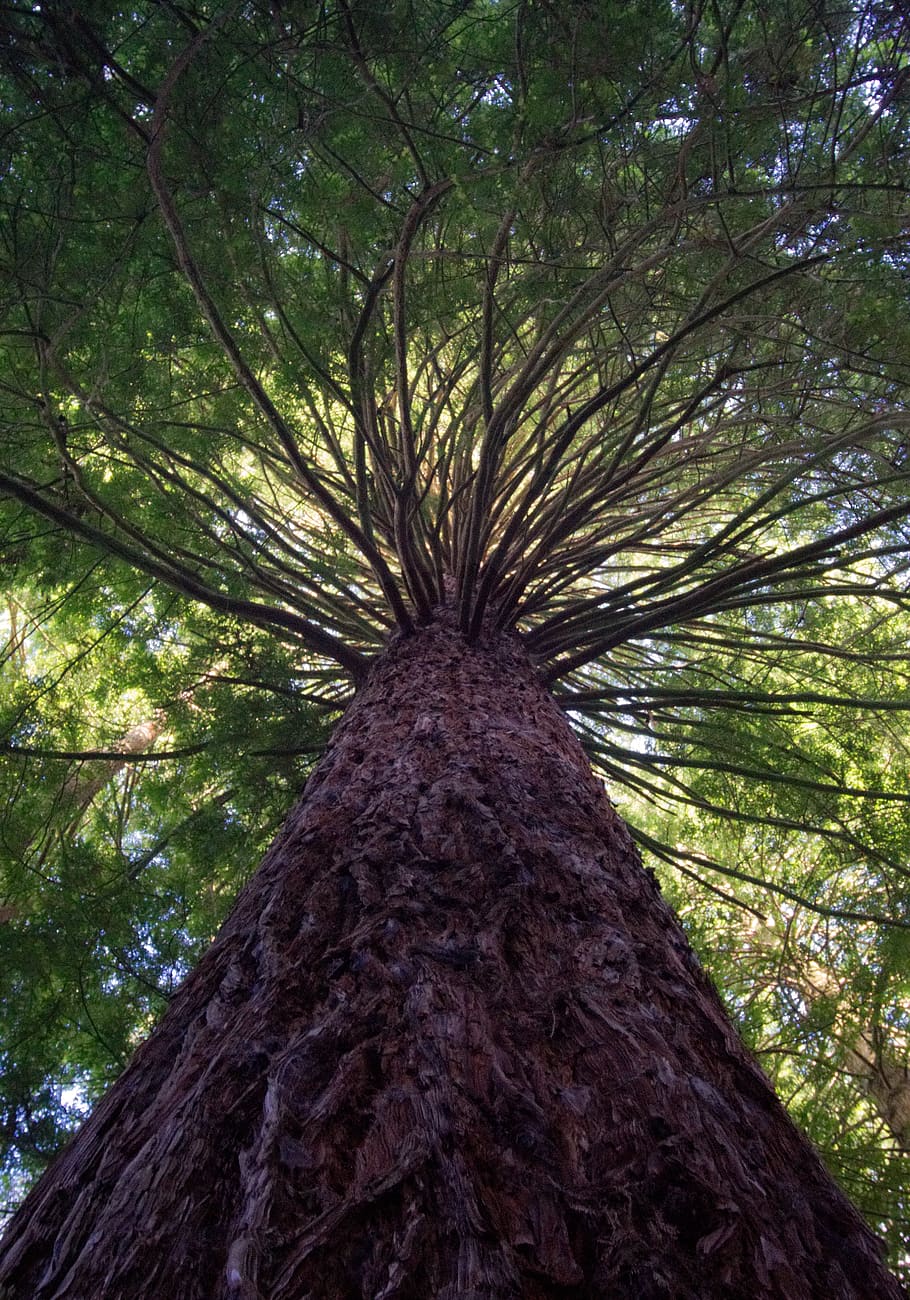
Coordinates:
589 321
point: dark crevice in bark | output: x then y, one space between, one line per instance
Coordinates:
451 1043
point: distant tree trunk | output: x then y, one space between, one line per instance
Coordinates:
885 1079
877 1069
450 1044
83 785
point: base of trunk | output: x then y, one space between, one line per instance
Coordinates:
451 1044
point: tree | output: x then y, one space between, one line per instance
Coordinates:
394 337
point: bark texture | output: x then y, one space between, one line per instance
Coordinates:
450 1045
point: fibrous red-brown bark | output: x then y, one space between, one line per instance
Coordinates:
450 1045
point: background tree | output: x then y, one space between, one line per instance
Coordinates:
316 317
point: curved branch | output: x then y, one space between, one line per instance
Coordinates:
670 855
187 583
229 345
710 595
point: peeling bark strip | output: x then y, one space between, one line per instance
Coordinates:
450 1045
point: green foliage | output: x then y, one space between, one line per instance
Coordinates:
117 870
591 319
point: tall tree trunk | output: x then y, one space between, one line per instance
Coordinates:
450 1044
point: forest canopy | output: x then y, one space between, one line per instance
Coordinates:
590 319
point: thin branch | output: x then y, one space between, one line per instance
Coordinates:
186 582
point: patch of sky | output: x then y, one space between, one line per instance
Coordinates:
74 1099
499 93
